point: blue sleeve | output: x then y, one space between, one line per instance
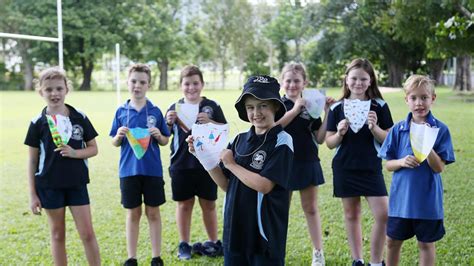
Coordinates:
116 124
389 146
278 166
444 146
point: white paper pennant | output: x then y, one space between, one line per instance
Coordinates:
187 113
315 101
209 141
356 111
422 139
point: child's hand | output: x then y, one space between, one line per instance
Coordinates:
154 132
329 102
35 204
342 127
299 104
121 132
66 151
190 141
203 118
372 119
409 162
171 117
227 157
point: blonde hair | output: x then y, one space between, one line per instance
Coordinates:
52 73
140 68
296 68
419 81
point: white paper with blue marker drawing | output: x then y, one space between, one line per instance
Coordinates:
209 141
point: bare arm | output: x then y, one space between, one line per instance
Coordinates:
435 162
156 134
320 134
219 178
117 139
408 161
89 151
333 139
291 114
35 204
378 133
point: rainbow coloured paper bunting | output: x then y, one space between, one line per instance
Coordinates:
422 139
61 129
139 139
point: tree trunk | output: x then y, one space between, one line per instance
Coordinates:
436 67
27 65
395 74
463 73
87 68
163 66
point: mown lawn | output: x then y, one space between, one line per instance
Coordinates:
24 238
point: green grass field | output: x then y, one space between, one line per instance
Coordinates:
24 238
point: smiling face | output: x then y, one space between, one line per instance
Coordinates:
358 81
138 84
293 83
192 87
260 113
419 101
54 92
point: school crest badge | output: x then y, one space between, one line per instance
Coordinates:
258 159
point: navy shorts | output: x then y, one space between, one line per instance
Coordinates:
188 183
54 198
237 259
426 231
133 187
356 183
305 174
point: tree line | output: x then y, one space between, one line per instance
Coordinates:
400 37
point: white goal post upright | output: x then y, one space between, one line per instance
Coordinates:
59 39
117 72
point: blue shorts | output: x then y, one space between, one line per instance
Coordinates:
54 198
237 259
188 183
426 231
133 187
305 174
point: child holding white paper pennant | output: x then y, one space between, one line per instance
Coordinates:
357 171
416 193
61 139
139 129
188 177
307 173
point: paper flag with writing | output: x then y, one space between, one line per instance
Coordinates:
61 129
187 114
422 139
209 141
356 111
139 139
315 101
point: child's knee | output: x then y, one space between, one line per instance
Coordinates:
153 214
58 235
87 235
134 214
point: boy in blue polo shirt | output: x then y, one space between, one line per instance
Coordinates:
254 173
139 128
416 193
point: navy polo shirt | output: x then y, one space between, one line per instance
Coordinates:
255 223
54 170
180 157
416 193
359 150
148 117
301 129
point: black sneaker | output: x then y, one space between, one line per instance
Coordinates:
212 249
130 262
357 263
184 251
157 261
197 249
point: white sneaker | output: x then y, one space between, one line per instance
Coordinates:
318 258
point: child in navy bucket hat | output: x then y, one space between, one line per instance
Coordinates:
254 174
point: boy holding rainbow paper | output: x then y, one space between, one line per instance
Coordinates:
141 174
416 193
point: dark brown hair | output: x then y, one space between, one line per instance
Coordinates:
190 70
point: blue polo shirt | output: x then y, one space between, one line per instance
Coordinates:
181 159
301 129
416 193
255 223
54 170
148 117
358 151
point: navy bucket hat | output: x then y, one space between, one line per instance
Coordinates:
263 88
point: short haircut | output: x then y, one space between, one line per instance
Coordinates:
140 68
52 73
419 81
190 70
293 67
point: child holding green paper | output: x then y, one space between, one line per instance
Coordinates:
60 141
416 193
139 129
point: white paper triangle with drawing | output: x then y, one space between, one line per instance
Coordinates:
209 141
315 101
422 140
356 111
63 126
187 113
